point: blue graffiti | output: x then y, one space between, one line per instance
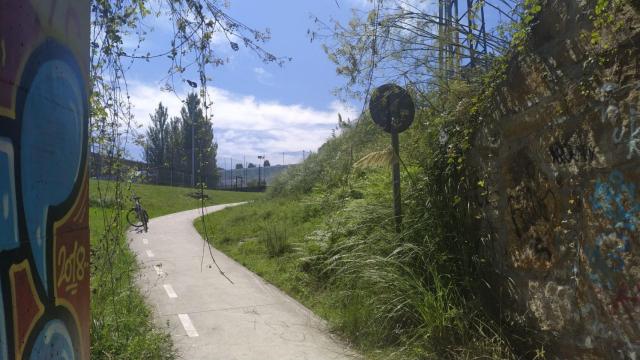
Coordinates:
8 221
53 342
51 149
616 201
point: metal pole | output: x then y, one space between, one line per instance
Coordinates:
193 152
395 143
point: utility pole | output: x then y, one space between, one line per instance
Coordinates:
451 48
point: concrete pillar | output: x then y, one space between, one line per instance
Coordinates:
44 232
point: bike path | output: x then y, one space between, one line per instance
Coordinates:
210 318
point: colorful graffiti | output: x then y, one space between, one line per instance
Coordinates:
44 234
614 201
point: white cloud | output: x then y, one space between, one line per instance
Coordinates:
246 125
359 4
263 76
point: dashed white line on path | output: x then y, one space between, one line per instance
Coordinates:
157 269
188 325
169 289
145 241
150 253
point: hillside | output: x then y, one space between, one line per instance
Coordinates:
326 236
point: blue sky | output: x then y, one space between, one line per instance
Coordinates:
263 108
259 108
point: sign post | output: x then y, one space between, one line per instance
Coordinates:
393 110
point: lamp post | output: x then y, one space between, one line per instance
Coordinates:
193 152
260 157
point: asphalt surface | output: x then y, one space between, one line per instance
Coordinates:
211 318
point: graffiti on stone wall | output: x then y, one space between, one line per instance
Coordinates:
567 152
532 211
626 128
614 269
551 303
44 236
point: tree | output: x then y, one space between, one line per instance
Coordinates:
174 148
404 41
157 134
198 146
251 165
266 163
190 52
239 166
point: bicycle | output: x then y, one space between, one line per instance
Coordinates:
137 216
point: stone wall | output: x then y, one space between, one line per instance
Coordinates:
561 159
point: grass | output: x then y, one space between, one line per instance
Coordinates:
122 325
160 200
274 238
242 231
282 241
390 298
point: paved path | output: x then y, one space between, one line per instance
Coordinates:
210 318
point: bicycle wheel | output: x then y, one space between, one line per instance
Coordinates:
133 219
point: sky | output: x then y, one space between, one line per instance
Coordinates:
259 108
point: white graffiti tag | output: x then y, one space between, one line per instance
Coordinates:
634 134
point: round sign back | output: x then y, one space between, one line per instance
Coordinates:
392 108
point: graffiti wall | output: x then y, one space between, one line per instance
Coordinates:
44 235
561 157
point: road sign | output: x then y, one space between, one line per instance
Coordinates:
392 109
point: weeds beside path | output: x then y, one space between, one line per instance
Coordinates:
325 235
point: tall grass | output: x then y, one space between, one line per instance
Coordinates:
274 238
122 324
419 294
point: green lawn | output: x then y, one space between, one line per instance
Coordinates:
122 326
241 233
161 200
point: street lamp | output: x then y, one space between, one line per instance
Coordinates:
260 157
193 152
